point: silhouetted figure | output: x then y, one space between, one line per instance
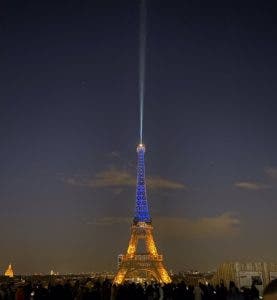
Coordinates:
270 292
56 292
20 294
254 293
233 293
168 294
149 292
139 292
198 292
221 291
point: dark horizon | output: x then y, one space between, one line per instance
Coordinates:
69 126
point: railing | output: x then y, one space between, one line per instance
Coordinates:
142 257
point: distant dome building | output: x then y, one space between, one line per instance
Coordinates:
9 271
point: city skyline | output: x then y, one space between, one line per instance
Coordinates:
69 126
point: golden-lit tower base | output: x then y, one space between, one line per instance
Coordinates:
146 266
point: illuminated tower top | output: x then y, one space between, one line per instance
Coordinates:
142 211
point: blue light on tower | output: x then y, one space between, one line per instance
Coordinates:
142 211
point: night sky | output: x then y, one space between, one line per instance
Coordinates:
69 126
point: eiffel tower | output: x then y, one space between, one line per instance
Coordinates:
147 265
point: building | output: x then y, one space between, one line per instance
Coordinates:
147 264
9 271
246 274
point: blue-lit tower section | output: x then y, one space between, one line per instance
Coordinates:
142 210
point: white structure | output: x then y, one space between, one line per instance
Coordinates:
246 274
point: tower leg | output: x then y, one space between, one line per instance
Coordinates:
150 244
163 274
133 243
120 276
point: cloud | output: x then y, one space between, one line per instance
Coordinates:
157 182
224 225
251 185
120 178
271 172
109 221
114 154
111 178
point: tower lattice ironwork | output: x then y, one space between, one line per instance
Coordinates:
148 264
